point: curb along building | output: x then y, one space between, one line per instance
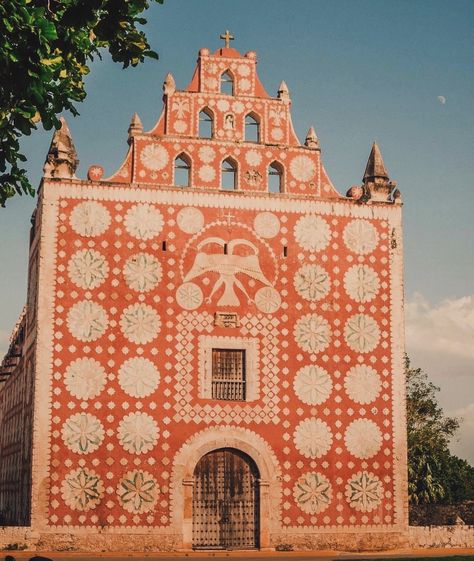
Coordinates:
211 354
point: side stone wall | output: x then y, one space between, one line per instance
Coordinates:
417 537
441 536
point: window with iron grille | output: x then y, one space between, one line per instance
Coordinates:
228 374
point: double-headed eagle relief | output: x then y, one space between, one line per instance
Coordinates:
227 265
238 265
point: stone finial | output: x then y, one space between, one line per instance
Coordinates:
169 85
375 169
283 91
136 126
311 140
61 160
376 182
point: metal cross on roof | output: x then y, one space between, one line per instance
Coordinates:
227 38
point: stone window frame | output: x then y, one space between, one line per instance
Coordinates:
248 344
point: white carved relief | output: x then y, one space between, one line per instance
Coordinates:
140 323
361 283
312 282
313 438
88 268
206 154
138 377
312 385
82 433
137 433
312 233
90 219
87 321
303 168
313 492
142 272
362 333
360 236
312 333
143 221
266 225
154 157
362 384
82 489
364 491
363 438
138 492
85 378
227 265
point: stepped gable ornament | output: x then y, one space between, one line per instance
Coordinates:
61 160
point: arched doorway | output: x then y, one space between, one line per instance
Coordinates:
226 501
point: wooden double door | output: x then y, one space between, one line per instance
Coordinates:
226 501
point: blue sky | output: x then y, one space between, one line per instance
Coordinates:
358 71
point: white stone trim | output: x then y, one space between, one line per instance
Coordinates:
398 372
251 348
215 438
43 363
234 200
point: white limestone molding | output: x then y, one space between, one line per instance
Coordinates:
252 369
298 204
397 330
43 363
215 438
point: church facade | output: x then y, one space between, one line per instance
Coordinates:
211 355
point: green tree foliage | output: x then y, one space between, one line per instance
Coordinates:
45 49
434 474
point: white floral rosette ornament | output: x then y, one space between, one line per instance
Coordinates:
90 219
363 438
82 433
143 222
267 299
312 385
313 438
266 225
142 272
360 236
138 377
303 168
361 283
154 157
138 492
190 220
312 282
140 323
85 378
189 296
137 433
82 489
313 492
364 491
312 333
362 333
87 321
362 384
88 268
312 233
